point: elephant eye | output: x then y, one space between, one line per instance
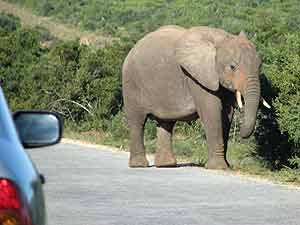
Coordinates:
233 67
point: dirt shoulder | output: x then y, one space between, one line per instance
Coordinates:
88 144
59 30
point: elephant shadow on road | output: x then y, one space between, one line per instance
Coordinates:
179 165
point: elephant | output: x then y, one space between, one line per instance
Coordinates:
179 74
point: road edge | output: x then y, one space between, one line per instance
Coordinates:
217 172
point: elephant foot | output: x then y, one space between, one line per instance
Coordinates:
138 161
217 164
165 160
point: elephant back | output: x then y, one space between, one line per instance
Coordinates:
214 35
160 38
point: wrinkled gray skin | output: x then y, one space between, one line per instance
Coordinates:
176 74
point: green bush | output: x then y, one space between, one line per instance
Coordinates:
19 52
44 34
82 84
295 161
284 72
119 127
278 133
8 22
47 9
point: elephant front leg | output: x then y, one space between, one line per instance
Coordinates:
216 158
164 155
214 127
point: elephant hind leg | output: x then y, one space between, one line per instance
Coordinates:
136 122
164 155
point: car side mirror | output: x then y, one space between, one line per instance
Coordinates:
38 128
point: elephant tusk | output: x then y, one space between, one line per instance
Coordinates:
266 104
239 99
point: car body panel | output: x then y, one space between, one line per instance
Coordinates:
16 166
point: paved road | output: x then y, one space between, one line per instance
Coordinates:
88 186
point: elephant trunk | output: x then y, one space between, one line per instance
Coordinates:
252 97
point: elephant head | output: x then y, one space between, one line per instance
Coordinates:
218 58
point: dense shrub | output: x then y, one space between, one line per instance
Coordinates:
19 51
284 72
278 135
81 83
8 23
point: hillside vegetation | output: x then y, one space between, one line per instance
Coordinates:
62 31
84 84
262 19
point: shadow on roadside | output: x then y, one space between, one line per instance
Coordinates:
181 165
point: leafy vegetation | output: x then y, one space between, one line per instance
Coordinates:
136 17
278 131
80 83
8 23
84 84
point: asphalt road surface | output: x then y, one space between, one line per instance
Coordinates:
88 186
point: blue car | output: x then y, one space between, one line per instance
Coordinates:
21 192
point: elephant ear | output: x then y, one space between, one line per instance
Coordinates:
198 57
